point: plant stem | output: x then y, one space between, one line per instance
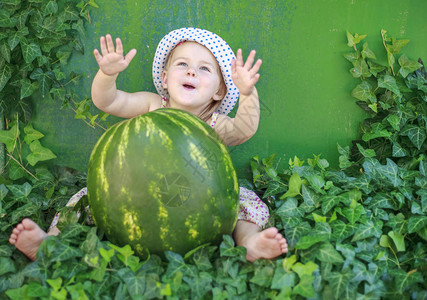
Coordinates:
13 158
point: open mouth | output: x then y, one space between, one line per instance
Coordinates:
189 86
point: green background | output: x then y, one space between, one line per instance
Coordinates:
305 84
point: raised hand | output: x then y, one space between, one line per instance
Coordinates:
112 61
245 74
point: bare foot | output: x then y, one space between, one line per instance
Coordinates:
27 237
267 244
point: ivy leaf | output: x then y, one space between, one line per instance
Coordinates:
360 69
274 188
30 51
353 214
398 240
391 171
344 158
366 52
367 230
407 66
31 134
339 282
16 171
69 13
404 280
5 75
364 92
341 230
5 51
44 80
6 21
397 45
310 197
328 254
352 56
6 266
228 249
416 223
27 88
16 37
3 193
49 8
263 276
398 223
63 56
305 287
282 279
307 241
295 183
389 82
366 152
290 209
135 284
376 134
304 269
416 134
394 121
295 233
20 192
375 68
39 153
329 202
8 137
354 40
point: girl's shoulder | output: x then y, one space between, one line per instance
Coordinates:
156 102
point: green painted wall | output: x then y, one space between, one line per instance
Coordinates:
304 86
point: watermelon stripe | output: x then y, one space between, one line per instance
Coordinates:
163 180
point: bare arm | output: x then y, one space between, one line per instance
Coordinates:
235 131
105 95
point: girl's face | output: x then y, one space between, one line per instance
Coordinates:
192 78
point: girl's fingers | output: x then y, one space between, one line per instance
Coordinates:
119 47
103 45
239 58
255 79
98 56
250 60
110 45
131 54
256 67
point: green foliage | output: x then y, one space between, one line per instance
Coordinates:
37 39
396 101
355 233
23 149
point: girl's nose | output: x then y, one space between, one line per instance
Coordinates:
191 72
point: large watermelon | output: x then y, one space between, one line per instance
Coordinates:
162 181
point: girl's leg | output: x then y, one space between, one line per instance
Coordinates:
27 237
253 216
268 243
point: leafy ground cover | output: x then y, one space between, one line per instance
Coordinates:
355 233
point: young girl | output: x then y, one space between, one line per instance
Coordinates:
193 70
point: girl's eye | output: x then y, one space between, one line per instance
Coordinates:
205 69
182 64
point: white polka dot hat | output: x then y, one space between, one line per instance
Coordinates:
220 50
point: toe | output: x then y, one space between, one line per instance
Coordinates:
28 224
278 237
19 227
12 240
271 232
16 231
